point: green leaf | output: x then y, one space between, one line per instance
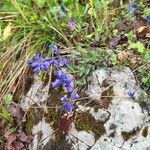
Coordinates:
147 55
40 3
139 46
8 99
5 114
114 59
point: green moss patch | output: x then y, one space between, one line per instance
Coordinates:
33 116
85 121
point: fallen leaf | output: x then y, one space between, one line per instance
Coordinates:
140 29
122 56
148 35
7 31
14 109
122 39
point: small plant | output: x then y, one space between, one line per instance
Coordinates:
62 79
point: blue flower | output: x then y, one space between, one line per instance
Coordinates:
148 19
54 48
63 79
63 12
133 8
54 62
64 99
63 9
131 94
39 64
63 62
68 106
71 24
74 95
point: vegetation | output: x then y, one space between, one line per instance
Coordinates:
88 33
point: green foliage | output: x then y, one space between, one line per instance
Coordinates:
138 45
144 75
40 3
89 59
114 59
5 114
8 99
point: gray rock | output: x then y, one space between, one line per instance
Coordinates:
42 133
100 114
126 115
37 94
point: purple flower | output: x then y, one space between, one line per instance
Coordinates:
39 64
71 24
54 62
74 95
133 8
63 79
54 48
148 19
64 99
68 106
131 94
63 62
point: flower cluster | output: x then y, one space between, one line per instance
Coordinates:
64 12
131 94
71 24
54 48
42 64
62 79
133 8
39 64
148 19
68 105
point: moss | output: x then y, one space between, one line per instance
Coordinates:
55 113
32 118
108 94
145 131
85 121
127 135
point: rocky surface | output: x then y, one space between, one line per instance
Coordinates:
42 133
109 120
128 122
37 94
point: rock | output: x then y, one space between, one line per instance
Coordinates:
96 86
122 82
128 116
81 140
136 142
37 94
42 133
128 126
100 114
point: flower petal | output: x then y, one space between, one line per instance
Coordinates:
34 64
69 88
68 106
64 99
44 67
74 95
37 70
37 56
56 83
